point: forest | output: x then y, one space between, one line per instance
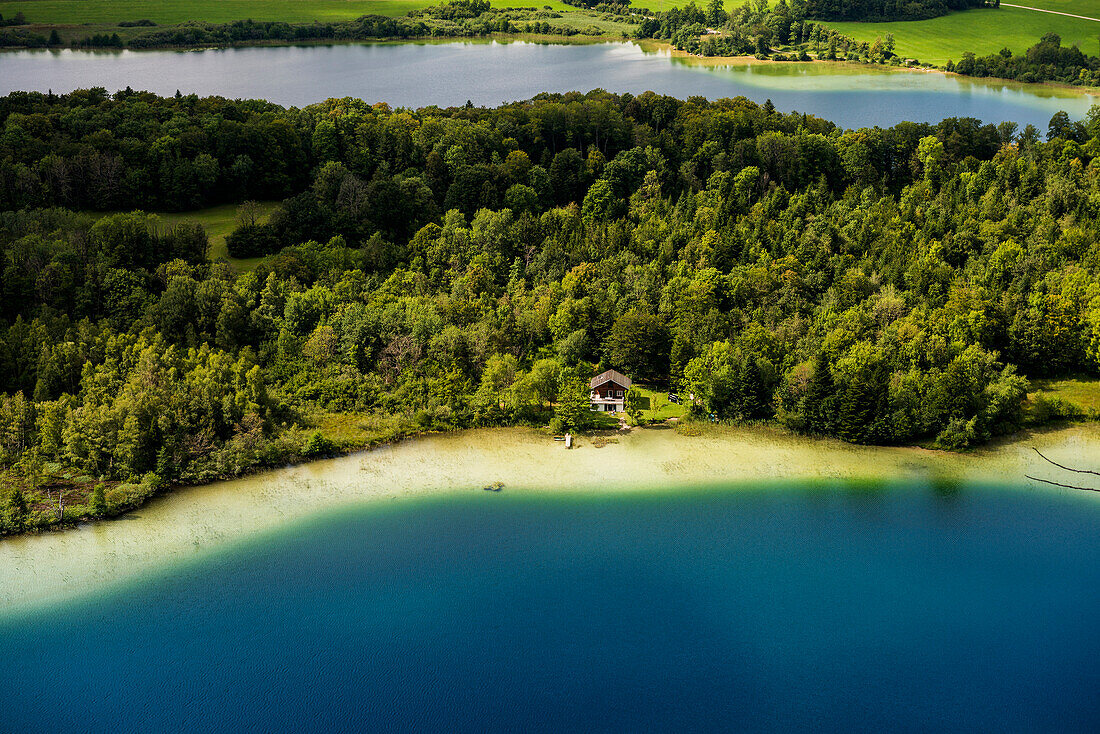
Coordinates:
446 268
753 28
870 11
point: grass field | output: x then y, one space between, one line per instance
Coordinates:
170 12
985 32
219 221
1084 393
655 405
356 430
76 19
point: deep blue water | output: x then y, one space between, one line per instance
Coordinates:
831 609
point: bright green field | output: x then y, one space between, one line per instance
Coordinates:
1084 393
985 31
218 221
169 12
655 405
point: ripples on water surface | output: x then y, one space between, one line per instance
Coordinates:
832 607
445 74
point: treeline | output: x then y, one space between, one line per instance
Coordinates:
196 33
871 11
458 19
470 266
609 6
100 40
23 38
1046 61
757 28
12 35
454 10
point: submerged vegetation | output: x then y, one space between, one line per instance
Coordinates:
436 269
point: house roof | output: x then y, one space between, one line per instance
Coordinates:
610 376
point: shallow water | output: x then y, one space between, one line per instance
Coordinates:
187 523
491 73
839 607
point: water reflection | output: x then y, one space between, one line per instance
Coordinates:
491 73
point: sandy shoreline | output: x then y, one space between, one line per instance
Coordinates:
188 522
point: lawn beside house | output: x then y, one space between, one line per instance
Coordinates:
655 404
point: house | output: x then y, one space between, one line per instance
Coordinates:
608 391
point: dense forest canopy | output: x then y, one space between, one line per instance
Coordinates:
752 28
473 266
885 10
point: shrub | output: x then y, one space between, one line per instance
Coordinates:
1045 408
252 240
97 507
129 495
959 434
317 445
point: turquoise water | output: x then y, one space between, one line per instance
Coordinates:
840 608
446 74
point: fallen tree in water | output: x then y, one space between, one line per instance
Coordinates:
1067 468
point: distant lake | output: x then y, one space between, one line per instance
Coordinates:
490 73
830 607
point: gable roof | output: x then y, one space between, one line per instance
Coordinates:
609 376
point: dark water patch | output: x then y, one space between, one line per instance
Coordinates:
834 608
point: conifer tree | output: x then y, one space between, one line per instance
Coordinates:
97 505
16 510
818 403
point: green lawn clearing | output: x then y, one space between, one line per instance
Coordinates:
655 405
983 31
218 221
1082 392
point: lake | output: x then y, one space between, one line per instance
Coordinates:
738 580
491 73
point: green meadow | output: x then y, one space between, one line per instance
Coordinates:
218 221
170 12
1083 392
985 31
